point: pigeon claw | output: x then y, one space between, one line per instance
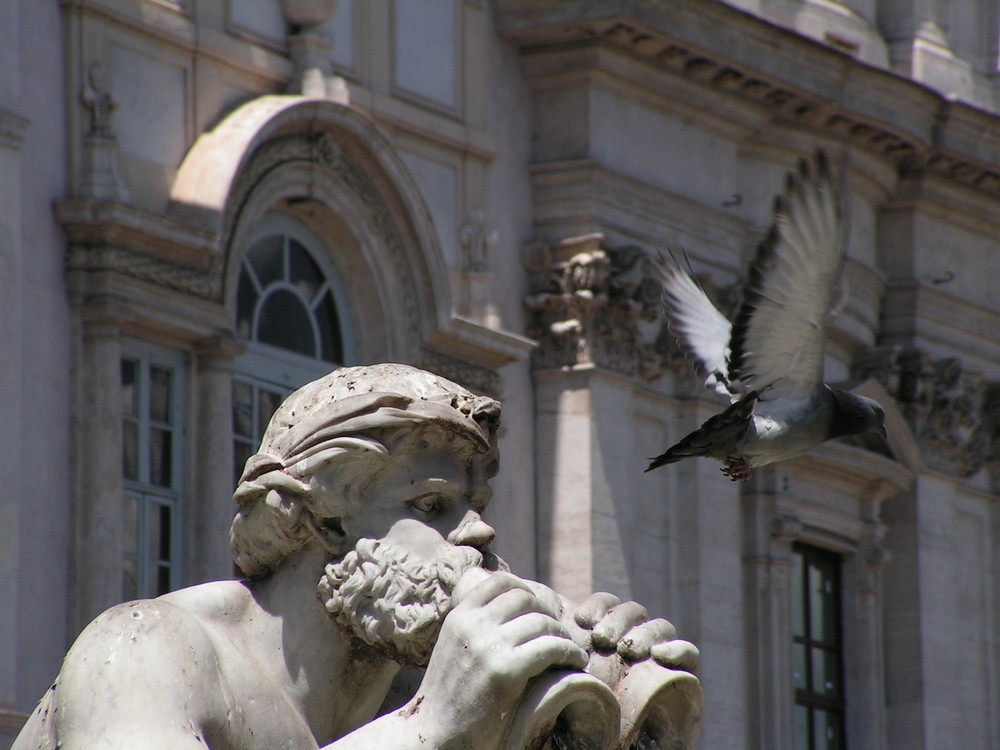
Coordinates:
736 469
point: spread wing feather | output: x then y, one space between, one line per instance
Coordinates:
701 329
779 333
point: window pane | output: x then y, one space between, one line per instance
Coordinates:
266 258
159 394
305 274
242 409
267 403
129 373
285 322
825 677
329 329
826 730
159 580
822 601
130 579
801 728
799 665
158 525
131 531
160 457
130 450
246 302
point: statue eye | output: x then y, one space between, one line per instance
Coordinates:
426 503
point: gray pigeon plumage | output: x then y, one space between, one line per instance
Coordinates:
769 360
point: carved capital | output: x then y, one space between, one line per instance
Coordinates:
954 413
591 304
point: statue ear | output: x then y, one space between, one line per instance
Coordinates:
330 533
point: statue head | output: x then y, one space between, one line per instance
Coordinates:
346 425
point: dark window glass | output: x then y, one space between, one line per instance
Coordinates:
817 649
267 258
303 271
161 457
159 394
129 368
285 323
329 329
246 303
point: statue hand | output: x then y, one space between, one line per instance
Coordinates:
499 636
625 628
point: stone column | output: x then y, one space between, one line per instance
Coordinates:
864 637
768 536
208 509
98 521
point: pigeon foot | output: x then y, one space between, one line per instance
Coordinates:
736 469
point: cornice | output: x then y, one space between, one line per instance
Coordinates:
118 238
790 77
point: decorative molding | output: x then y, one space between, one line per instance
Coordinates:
590 304
474 377
108 236
815 94
953 413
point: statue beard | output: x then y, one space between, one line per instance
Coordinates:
391 603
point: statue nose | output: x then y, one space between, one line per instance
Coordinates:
473 532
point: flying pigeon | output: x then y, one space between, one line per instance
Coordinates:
769 360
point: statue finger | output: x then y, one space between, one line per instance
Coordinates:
532 625
538 654
676 655
593 610
616 623
484 591
637 642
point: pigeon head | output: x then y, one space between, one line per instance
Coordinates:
853 415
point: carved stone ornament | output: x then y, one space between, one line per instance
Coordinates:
954 414
590 304
357 527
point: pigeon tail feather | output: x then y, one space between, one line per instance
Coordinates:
724 429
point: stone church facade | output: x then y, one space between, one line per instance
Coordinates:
207 203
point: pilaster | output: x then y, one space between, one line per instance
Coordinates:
209 510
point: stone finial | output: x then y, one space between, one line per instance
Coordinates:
310 51
308 15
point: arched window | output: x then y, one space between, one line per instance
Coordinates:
291 312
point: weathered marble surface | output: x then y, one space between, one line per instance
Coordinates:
360 532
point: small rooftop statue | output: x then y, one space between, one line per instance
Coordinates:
360 533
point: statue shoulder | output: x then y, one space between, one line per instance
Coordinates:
150 663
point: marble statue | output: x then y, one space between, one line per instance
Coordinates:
366 557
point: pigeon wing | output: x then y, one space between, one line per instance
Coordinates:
780 330
701 329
